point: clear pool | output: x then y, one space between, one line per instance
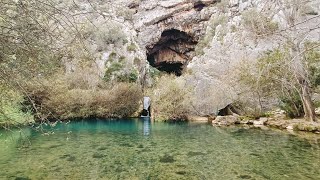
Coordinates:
140 149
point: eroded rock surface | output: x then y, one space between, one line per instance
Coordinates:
206 38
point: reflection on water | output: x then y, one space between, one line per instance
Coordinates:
146 126
119 149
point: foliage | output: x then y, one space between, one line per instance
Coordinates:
258 23
112 34
55 100
273 76
312 57
37 39
130 77
170 98
154 72
292 105
11 110
111 70
132 47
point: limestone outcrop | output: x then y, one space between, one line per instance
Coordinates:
219 40
206 38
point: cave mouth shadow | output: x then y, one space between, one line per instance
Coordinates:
172 52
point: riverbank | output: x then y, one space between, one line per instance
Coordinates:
278 121
273 122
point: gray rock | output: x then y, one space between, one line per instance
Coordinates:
262 121
226 120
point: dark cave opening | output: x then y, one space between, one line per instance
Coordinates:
172 52
199 6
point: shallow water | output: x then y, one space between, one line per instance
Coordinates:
140 149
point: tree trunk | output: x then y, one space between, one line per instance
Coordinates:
300 72
308 107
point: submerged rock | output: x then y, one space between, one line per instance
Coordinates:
167 159
181 172
98 155
22 178
245 176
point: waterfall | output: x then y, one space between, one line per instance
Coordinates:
146 106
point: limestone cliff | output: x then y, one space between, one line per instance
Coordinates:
199 40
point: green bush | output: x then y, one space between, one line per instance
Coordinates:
111 70
292 105
12 111
170 98
312 57
56 101
272 77
132 47
258 23
154 72
129 77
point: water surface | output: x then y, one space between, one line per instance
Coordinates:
140 149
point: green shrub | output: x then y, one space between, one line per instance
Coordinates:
12 111
292 105
258 23
154 72
312 57
170 98
111 70
58 102
129 77
122 59
132 47
111 35
273 77
112 57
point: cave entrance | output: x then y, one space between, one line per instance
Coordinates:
172 52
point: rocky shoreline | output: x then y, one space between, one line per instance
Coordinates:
273 122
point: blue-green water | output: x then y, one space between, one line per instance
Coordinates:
140 149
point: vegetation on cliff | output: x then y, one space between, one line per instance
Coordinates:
64 60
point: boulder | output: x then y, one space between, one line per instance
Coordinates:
198 119
226 120
262 121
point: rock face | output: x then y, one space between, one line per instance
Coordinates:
208 38
156 16
172 52
214 38
170 30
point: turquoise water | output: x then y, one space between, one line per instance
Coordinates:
140 149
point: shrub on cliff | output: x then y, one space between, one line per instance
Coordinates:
259 23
